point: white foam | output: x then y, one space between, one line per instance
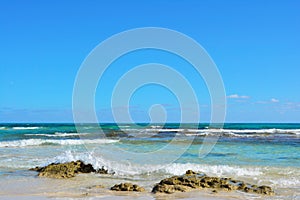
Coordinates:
274 176
155 126
194 130
170 130
128 168
37 142
260 174
224 134
125 126
25 128
241 133
40 134
213 170
286 182
262 131
68 134
246 133
217 132
57 134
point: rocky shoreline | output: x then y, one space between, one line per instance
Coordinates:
67 170
190 181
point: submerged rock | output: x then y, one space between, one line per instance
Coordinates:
102 171
127 187
115 134
96 187
192 180
67 170
169 189
261 190
38 169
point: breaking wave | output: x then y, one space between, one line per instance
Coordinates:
37 142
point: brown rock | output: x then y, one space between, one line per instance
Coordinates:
192 180
102 171
127 187
241 186
190 172
96 187
38 169
169 189
65 170
265 190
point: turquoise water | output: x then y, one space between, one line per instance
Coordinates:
259 153
240 144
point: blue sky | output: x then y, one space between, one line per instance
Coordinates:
255 45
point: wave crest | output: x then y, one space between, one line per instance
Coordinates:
38 142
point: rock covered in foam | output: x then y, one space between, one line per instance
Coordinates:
192 180
127 187
67 170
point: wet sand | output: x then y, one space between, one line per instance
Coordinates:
89 187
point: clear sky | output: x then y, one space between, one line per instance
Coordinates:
255 44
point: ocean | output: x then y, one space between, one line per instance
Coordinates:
258 153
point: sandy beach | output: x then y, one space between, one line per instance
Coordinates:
92 186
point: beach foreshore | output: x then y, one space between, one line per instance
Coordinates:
92 186
19 191
125 196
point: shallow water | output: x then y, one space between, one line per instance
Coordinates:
262 154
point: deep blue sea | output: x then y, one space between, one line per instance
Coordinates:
260 153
